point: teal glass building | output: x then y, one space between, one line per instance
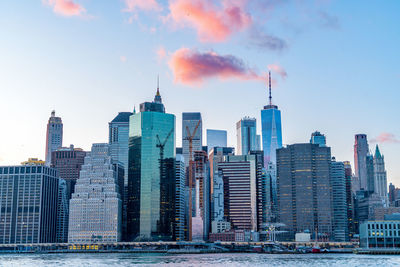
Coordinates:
151 177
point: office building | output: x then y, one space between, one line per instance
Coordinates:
216 138
318 139
369 161
151 148
96 205
271 129
381 234
28 204
246 133
180 198
62 212
380 180
54 135
33 161
360 164
339 204
192 128
349 199
304 189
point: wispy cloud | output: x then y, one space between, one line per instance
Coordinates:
213 23
278 69
263 40
147 5
161 53
67 8
122 58
191 67
328 21
385 138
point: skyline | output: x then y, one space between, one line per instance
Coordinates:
89 78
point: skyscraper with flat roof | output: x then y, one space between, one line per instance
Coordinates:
191 120
216 138
304 189
54 135
246 133
360 164
318 138
271 129
151 150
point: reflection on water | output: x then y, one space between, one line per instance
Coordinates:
231 260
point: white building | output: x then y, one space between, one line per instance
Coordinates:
95 206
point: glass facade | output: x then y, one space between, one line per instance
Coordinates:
246 132
151 144
271 130
216 138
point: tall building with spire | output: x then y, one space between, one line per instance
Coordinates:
54 135
151 174
380 175
360 159
271 129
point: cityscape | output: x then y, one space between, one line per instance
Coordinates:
205 153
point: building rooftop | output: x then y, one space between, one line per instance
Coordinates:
122 117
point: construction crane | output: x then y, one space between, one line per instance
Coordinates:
161 147
190 137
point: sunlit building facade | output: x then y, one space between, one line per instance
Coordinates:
246 133
54 136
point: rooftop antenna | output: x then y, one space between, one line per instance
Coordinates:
158 84
270 96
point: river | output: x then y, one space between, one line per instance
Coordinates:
231 260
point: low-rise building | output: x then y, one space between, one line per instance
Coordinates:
381 234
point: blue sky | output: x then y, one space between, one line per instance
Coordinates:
341 59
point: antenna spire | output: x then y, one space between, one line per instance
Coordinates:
270 95
158 85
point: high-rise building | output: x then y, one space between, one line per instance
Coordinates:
54 135
68 162
360 164
380 180
304 189
192 126
318 139
62 212
271 129
392 193
369 161
349 198
258 142
96 206
246 133
240 176
28 204
338 184
216 138
118 138
180 198
151 148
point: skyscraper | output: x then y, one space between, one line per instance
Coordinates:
54 135
380 175
216 138
369 161
349 198
151 148
304 189
246 133
192 126
318 138
338 183
28 204
271 129
96 206
180 198
360 164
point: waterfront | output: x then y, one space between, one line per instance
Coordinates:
239 259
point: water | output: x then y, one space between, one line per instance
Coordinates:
231 260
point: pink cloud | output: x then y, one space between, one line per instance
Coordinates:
213 23
123 58
278 69
148 5
192 68
385 138
66 8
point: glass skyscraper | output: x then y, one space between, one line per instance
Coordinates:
151 149
271 129
246 133
189 122
216 138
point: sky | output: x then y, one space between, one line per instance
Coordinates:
335 68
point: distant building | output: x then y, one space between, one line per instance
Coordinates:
96 206
152 173
28 204
318 139
381 212
62 212
246 133
179 233
54 135
216 138
271 127
381 234
360 153
369 159
349 199
33 161
339 203
380 180
189 122
304 189
392 193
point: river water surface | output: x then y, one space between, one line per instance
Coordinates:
231 260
